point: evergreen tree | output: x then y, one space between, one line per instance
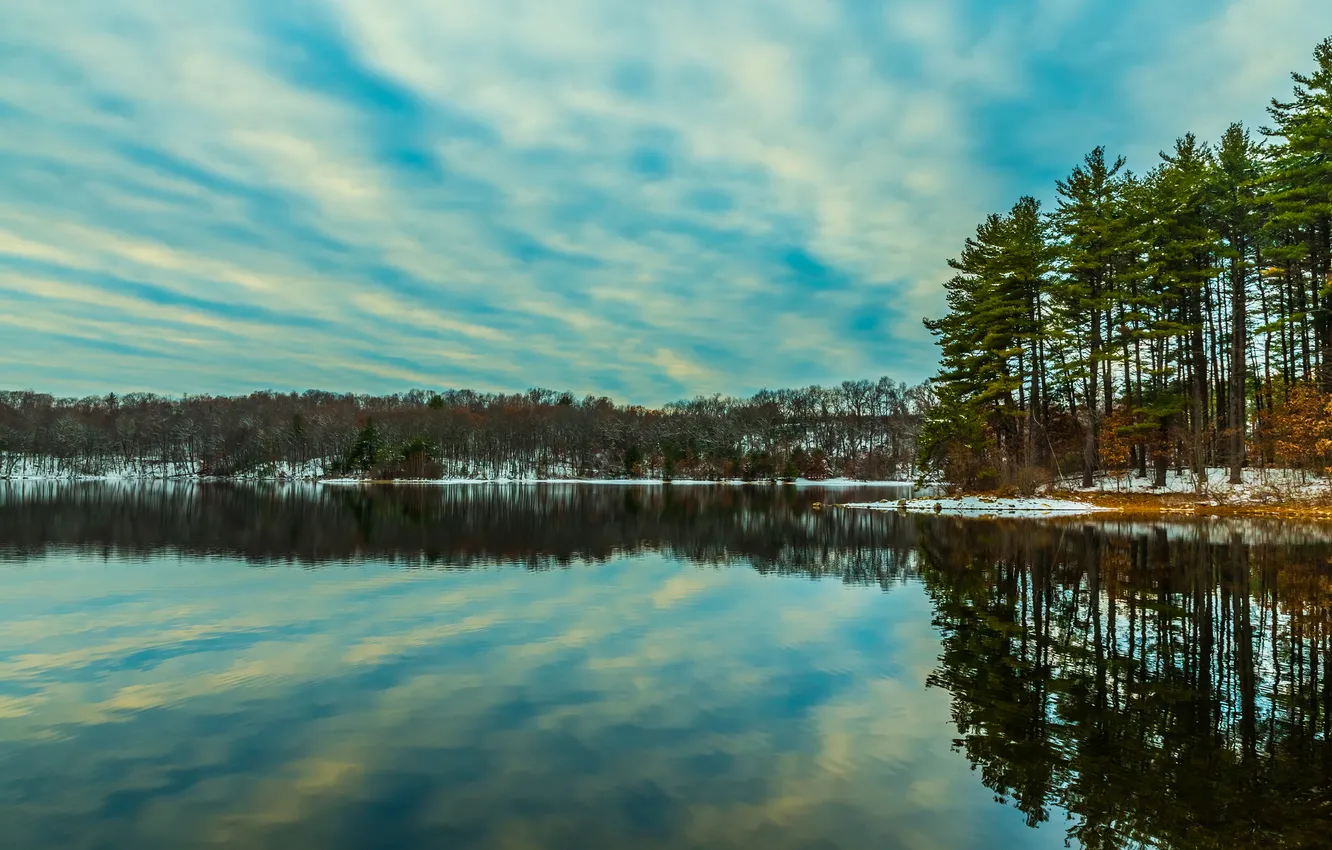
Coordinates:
1236 219
1300 191
1089 243
1147 316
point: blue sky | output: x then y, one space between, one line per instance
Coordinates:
647 200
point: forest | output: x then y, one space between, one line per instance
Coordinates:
859 429
1180 317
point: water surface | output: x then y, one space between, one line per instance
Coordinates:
676 667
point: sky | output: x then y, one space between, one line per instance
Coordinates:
646 200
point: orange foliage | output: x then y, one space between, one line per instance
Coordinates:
1115 439
1302 428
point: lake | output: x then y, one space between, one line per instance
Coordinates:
583 666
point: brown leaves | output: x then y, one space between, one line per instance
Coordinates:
1301 428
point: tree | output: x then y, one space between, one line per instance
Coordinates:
1089 244
1155 311
1300 191
1235 215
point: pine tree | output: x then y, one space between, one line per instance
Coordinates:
1188 246
993 337
1236 219
1153 312
1024 265
1088 246
1300 191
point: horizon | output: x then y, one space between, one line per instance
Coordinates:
215 201
428 393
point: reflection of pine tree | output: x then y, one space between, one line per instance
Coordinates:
1164 693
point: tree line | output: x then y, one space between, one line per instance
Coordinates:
858 429
1178 317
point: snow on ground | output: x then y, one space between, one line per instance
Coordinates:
18 467
800 482
15 467
983 506
1258 485
24 468
851 482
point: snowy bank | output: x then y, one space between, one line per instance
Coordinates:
983 506
1257 486
24 468
800 482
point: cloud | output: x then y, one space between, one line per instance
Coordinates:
643 700
650 201
1238 79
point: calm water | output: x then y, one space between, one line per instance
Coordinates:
688 667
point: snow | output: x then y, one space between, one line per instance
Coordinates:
799 483
983 506
851 482
1257 486
18 467
15 467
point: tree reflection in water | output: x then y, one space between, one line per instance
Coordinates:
777 529
1166 685
1163 684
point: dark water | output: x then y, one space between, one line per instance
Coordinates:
683 667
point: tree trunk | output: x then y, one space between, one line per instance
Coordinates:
1238 344
1323 278
1198 355
1162 454
1093 369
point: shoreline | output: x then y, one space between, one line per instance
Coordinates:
762 482
1053 503
983 506
831 483
1077 503
1202 505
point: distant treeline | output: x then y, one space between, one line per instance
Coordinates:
1180 317
859 429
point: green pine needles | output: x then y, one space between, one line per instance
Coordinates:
1147 321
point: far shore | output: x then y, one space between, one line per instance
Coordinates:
798 482
352 482
1264 493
